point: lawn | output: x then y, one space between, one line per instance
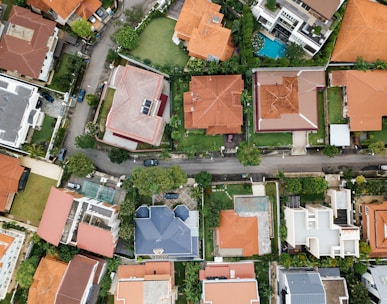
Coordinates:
29 205
106 105
380 135
9 4
335 106
44 135
271 139
318 138
156 44
179 281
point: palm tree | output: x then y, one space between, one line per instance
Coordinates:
35 150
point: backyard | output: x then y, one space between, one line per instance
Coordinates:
318 138
29 205
105 107
158 36
380 135
44 134
335 106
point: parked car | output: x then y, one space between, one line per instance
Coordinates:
171 195
38 103
81 95
73 186
151 162
62 154
92 19
383 167
48 97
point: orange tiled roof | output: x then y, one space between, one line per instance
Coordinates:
366 97
46 282
5 242
10 173
238 232
363 32
286 99
230 292
200 23
374 228
242 270
23 53
88 8
64 8
213 103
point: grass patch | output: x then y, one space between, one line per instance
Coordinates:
9 4
271 139
179 281
158 36
318 138
380 135
45 133
29 205
335 106
261 272
106 105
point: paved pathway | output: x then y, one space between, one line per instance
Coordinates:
43 168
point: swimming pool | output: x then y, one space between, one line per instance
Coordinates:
273 49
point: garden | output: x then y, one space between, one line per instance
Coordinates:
335 106
317 138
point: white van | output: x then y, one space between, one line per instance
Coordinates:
73 186
383 167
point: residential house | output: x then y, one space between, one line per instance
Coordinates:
363 32
375 279
245 231
305 22
150 282
285 99
340 200
27 44
11 173
229 283
374 228
315 228
138 106
70 218
66 11
19 114
214 103
163 233
11 244
364 98
301 285
76 282
200 26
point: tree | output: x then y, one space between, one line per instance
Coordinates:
203 179
92 128
293 185
127 38
330 151
378 147
134 15
271 5
359 293
117 155
85 141
312 185
126 232
246 100
192 286
248 154
92 100
35 150
178 176
360 268
360 179
283 232
294 52
112 264
66 252
80 165
82 28
26 272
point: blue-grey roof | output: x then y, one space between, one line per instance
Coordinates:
329 272
379 274
182 212
305 287
162 230
142 212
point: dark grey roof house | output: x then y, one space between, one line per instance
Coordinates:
163 233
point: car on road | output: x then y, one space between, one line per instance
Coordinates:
62 154
81 95
48 97
151 162
171 195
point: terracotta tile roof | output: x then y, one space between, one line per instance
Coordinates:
46 282
95 239
25 53
325 8
242 270
214 103
5 242
55 215
286 99
363 32
64 8
131 289
374 228
76 281
200 23
366 97
88 8
133 86
10 173
238 232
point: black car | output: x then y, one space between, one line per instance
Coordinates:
38 103
48 97
151 162
171 195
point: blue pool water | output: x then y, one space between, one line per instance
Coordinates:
273 49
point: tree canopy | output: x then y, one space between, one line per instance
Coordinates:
150 181
80 165
82 28
203 179
127 38
117 155
248 154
